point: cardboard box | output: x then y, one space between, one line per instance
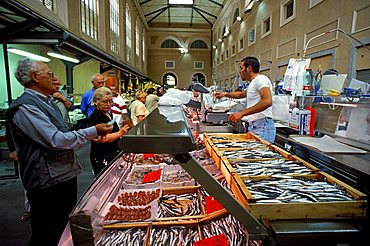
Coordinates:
300 119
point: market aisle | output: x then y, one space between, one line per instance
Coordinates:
13 232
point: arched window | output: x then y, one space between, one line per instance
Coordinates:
128 33
198 78
169 43
170 79
198 44
236 14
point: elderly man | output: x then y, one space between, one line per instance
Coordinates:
87 107
62 102
45 149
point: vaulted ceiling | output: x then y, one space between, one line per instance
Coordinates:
202 13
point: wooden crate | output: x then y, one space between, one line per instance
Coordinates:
316 210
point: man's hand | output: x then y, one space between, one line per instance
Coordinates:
218 94
13 156
236 116
59 96
103 129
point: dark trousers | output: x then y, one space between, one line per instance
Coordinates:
99 161
50 209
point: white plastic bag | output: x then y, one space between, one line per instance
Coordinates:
175 97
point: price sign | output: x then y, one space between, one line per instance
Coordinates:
219 240
151 177
212 205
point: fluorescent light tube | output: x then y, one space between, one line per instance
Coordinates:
28 54
63 57
181 2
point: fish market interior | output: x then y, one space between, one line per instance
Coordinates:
242 122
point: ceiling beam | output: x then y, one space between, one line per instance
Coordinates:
145 2
169 16
15 29
156 11
196 9
219 4
161 11
201 10
192 16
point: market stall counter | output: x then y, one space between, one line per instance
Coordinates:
120 199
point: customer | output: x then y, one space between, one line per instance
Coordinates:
87 106
259 100
45 149
63 103
151 101
160 91
119 108
137 108
102 153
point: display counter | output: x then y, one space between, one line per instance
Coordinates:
119 205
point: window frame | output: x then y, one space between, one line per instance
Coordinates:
90 28
168 62
199 68
263 33
254 36
283 8
313 4
233 49
114 42
241 40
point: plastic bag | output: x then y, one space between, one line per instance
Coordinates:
175 97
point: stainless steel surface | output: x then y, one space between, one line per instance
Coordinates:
216 129
165 130
255 229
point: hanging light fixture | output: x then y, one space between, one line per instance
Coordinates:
28 54
63 57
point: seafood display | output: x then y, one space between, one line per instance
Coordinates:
176 175
131 236
138 197
250 154
202 156
128 213
175 235
274 183
245 145
270 168
138 172
295 190
229 226
178 205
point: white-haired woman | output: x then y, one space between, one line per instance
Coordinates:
137 108
102 153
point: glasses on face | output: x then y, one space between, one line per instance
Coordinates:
50 73
100 82
107 101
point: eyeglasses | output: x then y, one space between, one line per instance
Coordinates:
106 101
50 73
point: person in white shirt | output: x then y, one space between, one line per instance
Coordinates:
138 109
151 102
259 100
119 108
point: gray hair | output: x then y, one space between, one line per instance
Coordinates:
24 68
100 93
93 78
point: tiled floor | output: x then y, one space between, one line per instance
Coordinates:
13 232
